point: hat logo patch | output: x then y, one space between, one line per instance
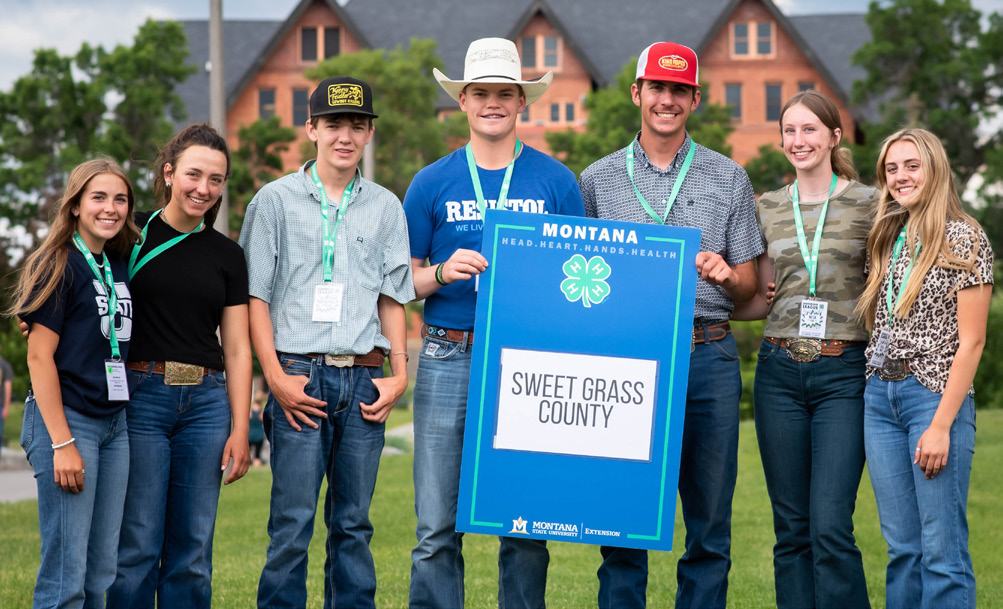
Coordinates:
673 62
344 95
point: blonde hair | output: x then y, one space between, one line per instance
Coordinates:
44 269
827 112
936 204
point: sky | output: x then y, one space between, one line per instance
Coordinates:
65 24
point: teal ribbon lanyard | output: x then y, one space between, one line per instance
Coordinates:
133 267
675 186
476 179
890 302
811 258
329 235
108 281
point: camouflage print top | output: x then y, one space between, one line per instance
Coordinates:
840 277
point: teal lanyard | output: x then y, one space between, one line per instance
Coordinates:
108 281
811 259
329 235
133 267
476 179
675 186
889 301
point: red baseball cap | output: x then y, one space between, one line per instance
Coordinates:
669 62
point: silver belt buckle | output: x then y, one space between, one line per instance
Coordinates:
893 370
804 350
339 361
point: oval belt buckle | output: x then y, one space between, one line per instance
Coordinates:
804 350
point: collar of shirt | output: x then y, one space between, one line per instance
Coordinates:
304 172
677 161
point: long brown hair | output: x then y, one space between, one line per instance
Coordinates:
937 203
827 112
45 267
193 135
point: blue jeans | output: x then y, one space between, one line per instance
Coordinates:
347 449
79 531
810 425
707 473
923 521
440 408
176 440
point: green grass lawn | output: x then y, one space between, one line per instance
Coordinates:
243 513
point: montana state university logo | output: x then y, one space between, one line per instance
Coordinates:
673 62
519 526
344 95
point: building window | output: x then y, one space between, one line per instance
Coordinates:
764 38
555 113
550 52
266 104
773 101
301 107
308 44
569 113
733 98
529 52
805 86
332 42
741 35
525 115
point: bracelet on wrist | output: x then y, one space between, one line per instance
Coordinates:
404 353
66 443
438 274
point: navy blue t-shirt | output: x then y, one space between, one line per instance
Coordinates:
442 217
78 312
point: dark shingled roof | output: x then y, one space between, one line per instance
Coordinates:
604 34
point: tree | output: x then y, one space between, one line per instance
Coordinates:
67 109
408 135
256 162
614 120
769 170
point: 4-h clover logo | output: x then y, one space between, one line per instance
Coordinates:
586 280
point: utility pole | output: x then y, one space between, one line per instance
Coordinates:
217 97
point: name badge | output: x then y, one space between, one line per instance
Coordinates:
813 315
880 349
327 298
118 384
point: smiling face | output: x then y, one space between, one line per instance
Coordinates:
341 139
197 181
904 172
665 107
808 143
102 210
492 108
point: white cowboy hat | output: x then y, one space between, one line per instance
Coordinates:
493 60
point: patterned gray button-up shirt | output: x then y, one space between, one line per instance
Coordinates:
715 197
282 241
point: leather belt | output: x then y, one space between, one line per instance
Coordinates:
714 332
175 373
894 370
455 336
374 358
809 349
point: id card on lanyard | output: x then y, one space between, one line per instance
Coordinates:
482 203
329 296
885 337
814 311
114 368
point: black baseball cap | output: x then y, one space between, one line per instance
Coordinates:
342 95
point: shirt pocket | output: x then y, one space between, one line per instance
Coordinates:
366 258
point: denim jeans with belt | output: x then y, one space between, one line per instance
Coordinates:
707 473
810 425
346 448
79 531
440 407
177 434
923 521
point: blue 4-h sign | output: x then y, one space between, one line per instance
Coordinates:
578 382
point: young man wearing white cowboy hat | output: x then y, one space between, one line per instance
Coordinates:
444 207
640 183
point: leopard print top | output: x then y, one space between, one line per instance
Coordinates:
928 337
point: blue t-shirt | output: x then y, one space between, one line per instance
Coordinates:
442 217
77 311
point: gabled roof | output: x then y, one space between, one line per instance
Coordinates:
543 8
